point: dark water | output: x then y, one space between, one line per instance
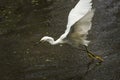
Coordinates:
24 22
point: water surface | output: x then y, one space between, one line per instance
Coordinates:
23 23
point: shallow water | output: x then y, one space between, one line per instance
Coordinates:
24 23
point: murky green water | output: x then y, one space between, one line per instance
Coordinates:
24 22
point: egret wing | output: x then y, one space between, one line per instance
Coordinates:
80 10
78 32
84 24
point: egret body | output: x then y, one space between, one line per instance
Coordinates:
79 23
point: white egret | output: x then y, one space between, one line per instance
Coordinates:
79 23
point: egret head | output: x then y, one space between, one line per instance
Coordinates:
47 39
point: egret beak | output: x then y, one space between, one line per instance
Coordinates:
39 42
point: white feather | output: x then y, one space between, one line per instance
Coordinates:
80 10
79 31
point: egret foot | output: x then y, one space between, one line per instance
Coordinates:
93 56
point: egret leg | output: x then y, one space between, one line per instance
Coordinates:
93 56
